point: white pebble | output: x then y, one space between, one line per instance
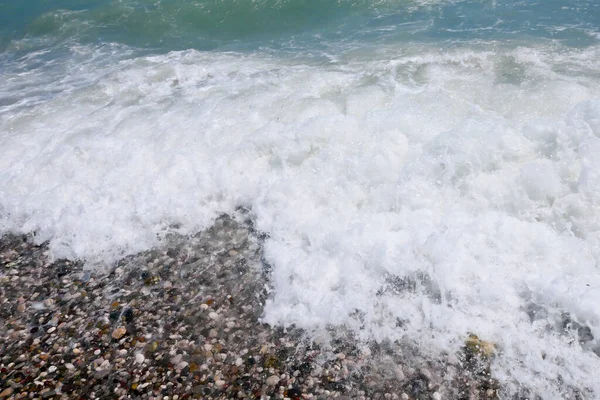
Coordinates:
139 358
239 361
181 365
437 396
399 374
69 366
426 373
96 352
52 368
272 380
204 306
176 359
213 315
220 383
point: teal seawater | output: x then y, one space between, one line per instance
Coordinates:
290 24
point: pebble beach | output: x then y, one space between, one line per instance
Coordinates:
183 321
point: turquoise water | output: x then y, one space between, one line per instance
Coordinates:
450 144
289 24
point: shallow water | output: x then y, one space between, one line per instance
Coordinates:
423 169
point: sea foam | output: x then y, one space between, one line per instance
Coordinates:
471 176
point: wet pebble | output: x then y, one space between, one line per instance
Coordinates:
119 333
272 380
164 324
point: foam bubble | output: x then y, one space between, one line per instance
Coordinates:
433 194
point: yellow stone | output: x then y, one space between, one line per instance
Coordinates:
480 347
152 347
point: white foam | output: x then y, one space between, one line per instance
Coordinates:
473 169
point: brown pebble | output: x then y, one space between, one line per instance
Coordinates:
119 333
6 393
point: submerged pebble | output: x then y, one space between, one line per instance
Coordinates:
168 346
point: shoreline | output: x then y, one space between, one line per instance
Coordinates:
182 321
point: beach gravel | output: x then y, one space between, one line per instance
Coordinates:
183 321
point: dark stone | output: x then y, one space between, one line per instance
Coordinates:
127 315
305 368
114 315
585 334
417 386
294 393
144 275
63 269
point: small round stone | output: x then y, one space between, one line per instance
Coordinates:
139 358
213 315
272 380
181 365
399 373
426 373
119 333
176 359
220 384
